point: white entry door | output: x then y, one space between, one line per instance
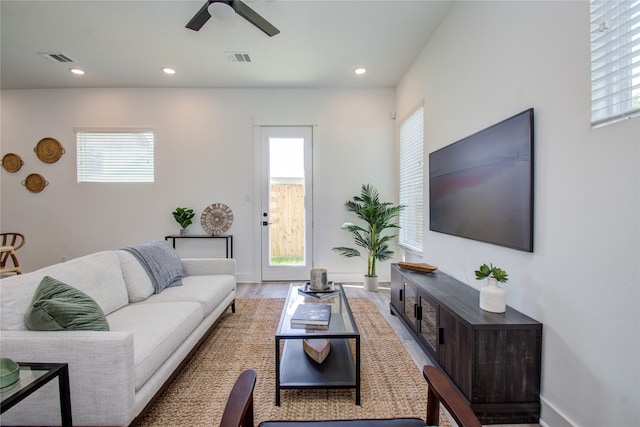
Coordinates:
286 215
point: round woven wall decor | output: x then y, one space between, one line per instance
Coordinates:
12 162
35 182
49 150
216 219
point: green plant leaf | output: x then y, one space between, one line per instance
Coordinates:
377 217
485 271
183 216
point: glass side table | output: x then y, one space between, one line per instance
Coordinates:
32 377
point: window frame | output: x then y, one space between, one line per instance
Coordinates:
615 60
411 180
118 165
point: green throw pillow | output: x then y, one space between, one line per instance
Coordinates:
57 306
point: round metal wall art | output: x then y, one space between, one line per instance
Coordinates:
49 150
216 219
11 162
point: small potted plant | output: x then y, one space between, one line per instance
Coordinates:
377 217
183 217
492 297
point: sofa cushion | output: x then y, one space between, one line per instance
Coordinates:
97 275
208 291
158 330
57 306
139 286
161 262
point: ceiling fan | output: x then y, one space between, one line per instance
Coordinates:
230 6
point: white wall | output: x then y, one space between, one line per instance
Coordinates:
204 153
488 61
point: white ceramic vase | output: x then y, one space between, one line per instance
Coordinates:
184 232
371 283
492 297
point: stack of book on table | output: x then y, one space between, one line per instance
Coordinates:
311 316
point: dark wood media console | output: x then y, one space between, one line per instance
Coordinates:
494 359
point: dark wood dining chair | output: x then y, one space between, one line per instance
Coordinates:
238 411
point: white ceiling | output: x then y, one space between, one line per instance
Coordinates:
126 43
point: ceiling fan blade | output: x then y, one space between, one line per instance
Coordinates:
252 16
199 18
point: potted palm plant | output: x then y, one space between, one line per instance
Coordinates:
183 217
377 217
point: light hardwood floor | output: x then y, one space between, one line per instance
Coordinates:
381 299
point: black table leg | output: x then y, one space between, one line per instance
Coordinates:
277 371
358 370
65 396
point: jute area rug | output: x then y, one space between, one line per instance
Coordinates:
391 384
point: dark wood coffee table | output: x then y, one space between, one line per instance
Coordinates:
341 368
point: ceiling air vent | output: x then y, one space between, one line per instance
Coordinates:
238 56
57 57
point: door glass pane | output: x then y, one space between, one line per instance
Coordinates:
428 323
410 301
286 201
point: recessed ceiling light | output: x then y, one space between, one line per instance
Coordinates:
77 71
168 70
360 71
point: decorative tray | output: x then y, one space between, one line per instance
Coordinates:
35 182
49 150
421 267
11 162
331 287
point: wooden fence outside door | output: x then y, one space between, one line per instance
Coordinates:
287 220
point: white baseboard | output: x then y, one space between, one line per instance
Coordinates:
551 417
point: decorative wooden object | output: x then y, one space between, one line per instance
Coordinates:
216 219
422 267
317 348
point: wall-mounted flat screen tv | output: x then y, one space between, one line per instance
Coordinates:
481 187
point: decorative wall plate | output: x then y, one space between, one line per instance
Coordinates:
216 219
49 150
35 182
12 162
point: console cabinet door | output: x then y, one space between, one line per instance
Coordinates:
455 351
396 290
410 304
428 331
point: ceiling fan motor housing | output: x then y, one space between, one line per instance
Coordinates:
217 8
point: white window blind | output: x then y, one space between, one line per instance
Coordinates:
412 181
115 156
615 60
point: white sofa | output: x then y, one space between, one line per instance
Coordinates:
113 374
